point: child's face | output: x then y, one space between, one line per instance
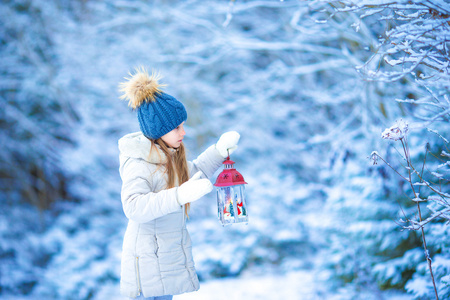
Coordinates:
175 137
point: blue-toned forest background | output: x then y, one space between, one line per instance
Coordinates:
309 85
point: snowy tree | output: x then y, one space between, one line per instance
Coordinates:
415 48
412 55
37 118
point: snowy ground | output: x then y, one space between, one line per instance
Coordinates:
301 285
296 285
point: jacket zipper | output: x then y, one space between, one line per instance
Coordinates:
138 279
182 247
156 246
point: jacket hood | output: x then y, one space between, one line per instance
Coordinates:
136 145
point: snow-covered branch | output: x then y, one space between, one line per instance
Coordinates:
415 48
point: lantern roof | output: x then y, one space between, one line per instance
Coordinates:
229 176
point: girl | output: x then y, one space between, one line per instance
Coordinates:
156 192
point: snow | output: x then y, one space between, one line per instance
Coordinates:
298 285
322 220
293 285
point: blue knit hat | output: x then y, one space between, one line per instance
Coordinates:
158 113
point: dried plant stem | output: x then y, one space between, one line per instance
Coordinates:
391 167
424 242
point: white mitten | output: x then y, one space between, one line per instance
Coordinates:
227 143
193 189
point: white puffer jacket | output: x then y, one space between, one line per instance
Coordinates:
156 257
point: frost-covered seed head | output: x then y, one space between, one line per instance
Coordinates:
374 157
396 132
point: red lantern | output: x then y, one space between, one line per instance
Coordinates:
231 203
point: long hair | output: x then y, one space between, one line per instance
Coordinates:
176 166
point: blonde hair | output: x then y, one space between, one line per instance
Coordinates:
176 166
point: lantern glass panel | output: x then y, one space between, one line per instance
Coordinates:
231 205
241 205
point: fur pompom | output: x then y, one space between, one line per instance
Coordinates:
140 87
